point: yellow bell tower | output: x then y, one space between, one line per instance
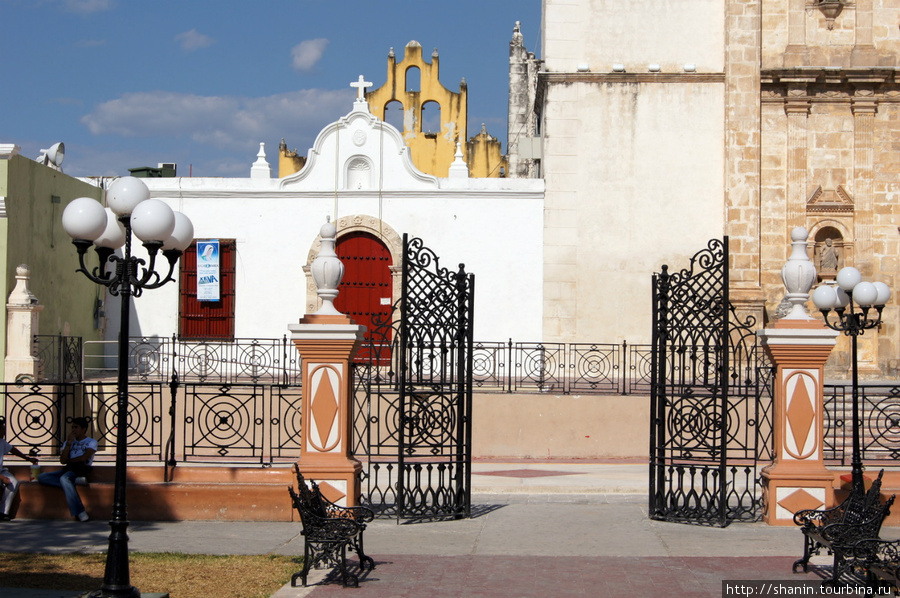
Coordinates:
433 151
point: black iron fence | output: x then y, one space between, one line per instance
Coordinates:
258 422
880 419
508 367
58 357
564 368
239 361
193 422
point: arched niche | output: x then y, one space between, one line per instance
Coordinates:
358 223
358 175
831 249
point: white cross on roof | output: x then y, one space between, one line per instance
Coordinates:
361 86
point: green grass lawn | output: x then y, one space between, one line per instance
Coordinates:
181 575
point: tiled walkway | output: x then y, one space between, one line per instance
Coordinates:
543 530
409 576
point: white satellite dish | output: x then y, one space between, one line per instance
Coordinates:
54 156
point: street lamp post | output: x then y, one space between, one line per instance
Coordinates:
108 229
853 301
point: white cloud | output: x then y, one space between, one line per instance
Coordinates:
307 53
220 121
192 40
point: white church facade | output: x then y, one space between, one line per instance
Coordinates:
358 174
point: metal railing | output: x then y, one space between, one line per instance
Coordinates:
564 368
255 423
498 367
880 418
214 418
508 367
155 359
58 357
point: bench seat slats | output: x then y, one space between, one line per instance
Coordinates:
838 529
328 530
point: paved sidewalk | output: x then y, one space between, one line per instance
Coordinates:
540 545
529 540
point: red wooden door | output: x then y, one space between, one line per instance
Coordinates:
207 320
366 291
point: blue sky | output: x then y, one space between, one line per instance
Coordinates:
130 83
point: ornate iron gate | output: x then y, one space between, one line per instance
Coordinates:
413 386
711 398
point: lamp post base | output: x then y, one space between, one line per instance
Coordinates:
129 592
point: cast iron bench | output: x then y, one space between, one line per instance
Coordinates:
838 529
881 560
328 530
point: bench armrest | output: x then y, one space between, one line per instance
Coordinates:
819 517
318 529
359 514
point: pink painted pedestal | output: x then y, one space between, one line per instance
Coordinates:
797 479
326 344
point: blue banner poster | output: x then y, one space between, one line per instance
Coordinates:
208 270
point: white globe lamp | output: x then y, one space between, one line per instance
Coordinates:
125 193
825 297
884 293
113 236
152 221
865 294
84 219
847 278
182 235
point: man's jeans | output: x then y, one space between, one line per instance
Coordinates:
65 480
8 491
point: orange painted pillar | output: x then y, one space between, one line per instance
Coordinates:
797 479
327 343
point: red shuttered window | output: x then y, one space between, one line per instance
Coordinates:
207 320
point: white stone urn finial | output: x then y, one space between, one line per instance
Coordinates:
798 275
21 294
327 270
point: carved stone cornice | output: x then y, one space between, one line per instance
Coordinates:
831 74
864 88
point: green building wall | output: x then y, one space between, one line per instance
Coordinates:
32 234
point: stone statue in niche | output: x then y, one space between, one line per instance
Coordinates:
828 257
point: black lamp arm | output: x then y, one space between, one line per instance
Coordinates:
150 279
99 274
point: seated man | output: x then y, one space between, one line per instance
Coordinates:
76 455
9 485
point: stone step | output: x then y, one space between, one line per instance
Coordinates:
224 493
890 485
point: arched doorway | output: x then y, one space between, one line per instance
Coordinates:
366 290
